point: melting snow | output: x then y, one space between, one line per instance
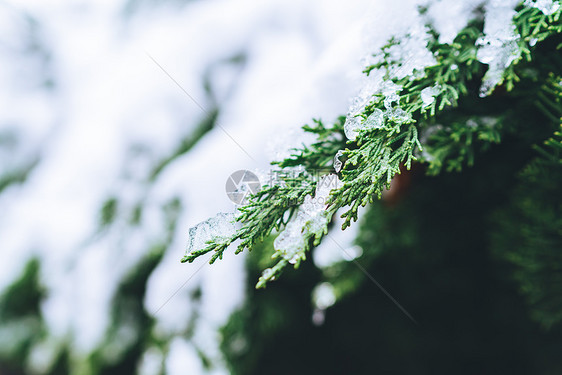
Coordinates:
428 95
498 47
310 218
548 7
221 225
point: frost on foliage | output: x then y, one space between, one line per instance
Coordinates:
390 91
548 7
428 95
309 219
375 120
408 57
372 85
498 47
337 162
352 126
398 115
221 225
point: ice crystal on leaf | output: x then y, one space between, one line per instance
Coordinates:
410 54
428 95
221 225
309 219
351 127
375 120
498 47
548 7
390 90
337 162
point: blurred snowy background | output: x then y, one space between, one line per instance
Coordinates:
105 162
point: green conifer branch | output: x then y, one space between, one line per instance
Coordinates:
319 155
376 156
455 145
266 211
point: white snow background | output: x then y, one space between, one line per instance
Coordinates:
92 114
